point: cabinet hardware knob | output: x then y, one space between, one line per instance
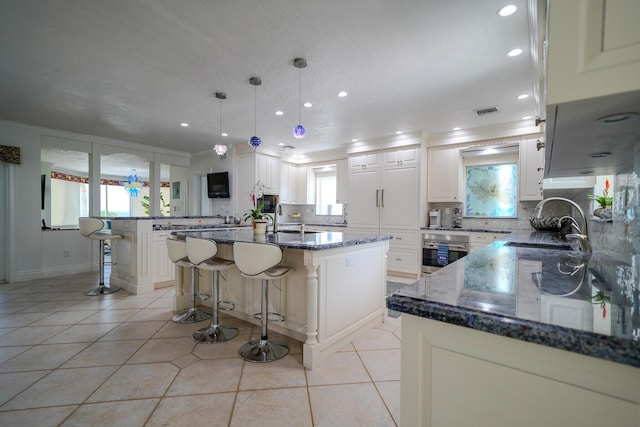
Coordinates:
539 145
540 168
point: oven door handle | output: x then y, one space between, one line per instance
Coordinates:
462 248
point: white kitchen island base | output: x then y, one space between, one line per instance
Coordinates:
457 376
333 296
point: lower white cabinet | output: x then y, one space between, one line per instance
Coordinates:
480 240
163 269
404 254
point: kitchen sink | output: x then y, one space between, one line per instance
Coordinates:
533 245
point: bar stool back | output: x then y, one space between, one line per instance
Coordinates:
177 250
202 252
91 228
260 261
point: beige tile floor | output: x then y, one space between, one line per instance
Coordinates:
117 360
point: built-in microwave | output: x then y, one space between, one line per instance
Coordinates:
270 202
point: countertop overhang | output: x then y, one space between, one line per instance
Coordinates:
511 291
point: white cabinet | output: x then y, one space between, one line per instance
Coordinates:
444 166
342 181
249 169
531 169
163 268
593 49
293 184
480 240
385 194
268 171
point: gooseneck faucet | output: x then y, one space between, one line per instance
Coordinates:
582 235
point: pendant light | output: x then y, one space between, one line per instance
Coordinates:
133 183
255 141
220 149
299 131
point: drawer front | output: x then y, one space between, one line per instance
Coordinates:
403 239
403 260
481 237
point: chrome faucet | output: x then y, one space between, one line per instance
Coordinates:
278 211
582 235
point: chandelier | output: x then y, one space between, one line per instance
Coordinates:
255 141
299 131
133 184
220 149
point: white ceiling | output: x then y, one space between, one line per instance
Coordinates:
133 70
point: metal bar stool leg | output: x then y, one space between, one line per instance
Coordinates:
215 332
264 349
192 314
102 289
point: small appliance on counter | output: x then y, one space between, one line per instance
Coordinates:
434 218
457 218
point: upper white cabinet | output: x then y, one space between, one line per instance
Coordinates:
443 175
268 171
293 184
593 49
364 161
531 169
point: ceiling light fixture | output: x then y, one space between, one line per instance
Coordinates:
527 118
523 96
132 183
399 132
456 128
279 113
307 105
299 131
184 124
255 141
342 94
220 149
514 52
507 10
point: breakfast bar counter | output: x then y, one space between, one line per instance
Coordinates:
335 294
525 331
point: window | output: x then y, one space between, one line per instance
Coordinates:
326 184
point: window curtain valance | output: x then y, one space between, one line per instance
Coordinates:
9 154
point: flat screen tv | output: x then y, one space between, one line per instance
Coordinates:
218 185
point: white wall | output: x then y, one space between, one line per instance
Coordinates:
36 254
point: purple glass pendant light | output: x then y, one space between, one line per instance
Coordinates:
299 131
255 141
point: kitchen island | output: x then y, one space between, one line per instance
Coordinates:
335 294
522 332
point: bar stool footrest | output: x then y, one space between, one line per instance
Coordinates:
192 315
262 351
214 334
226 306
102 290
271 317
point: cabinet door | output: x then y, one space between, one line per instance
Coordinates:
364 161
531 169
364 210
401 157
443 175
163 268
301 184
285 190
399 200
273 174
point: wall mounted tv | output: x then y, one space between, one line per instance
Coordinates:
218 185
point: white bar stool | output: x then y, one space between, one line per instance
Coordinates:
177 250
260 261
202 252
91 229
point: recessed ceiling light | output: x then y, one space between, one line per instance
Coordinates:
507 10
398 132
523 96
354 140
342 94
456 128
224 134
514 52
279 113
281 144
527 117
307 105
184 124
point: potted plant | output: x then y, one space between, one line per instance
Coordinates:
258 218
605 202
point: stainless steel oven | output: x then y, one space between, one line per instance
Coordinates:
433 246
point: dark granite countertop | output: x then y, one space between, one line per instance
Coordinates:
547 295
314 240
198 226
